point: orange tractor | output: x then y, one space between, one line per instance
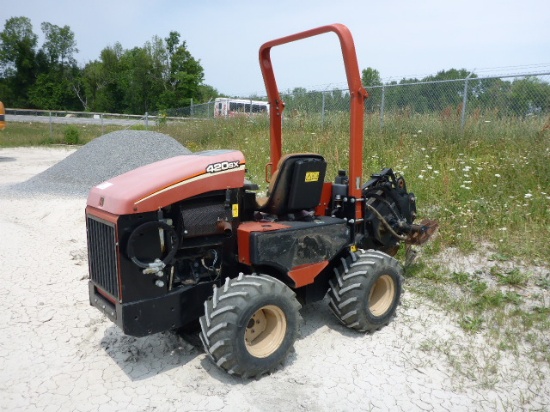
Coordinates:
188 241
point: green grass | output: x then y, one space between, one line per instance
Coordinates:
40 134
508 316
490 183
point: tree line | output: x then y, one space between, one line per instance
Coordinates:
163 74
445 91
160 75
441 93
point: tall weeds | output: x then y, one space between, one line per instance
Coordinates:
489 182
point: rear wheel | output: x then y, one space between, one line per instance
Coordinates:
250 324
366 289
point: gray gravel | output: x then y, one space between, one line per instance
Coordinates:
105 157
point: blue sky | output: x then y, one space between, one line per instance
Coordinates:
396 37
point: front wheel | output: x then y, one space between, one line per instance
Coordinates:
250 324
365 290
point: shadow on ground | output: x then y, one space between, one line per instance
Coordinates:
141 358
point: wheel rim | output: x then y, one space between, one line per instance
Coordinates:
381 295
265 331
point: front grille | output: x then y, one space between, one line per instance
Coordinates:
102 255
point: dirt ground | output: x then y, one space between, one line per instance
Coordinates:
59 354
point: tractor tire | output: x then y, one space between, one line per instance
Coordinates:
366 289
250 325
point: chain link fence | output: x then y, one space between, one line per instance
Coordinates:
518 96
489 97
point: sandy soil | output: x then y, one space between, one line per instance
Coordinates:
59 354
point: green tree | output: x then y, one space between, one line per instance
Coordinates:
57 84
529 96
184 74
17 60
373 83
207 93
100 82
160 75
59 45
440 96
371 77
110 85
91 82
301 102
489 95
430 94
403 96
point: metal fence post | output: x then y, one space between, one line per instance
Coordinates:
323 111
51 126
464 101
382 102
146 120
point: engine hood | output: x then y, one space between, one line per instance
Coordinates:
151 187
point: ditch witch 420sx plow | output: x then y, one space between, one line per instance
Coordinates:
187 239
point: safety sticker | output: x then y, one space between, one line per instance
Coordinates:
312 176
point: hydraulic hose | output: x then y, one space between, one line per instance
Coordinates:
174 243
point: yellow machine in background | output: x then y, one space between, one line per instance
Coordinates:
2 116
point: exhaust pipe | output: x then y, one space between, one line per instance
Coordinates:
225 227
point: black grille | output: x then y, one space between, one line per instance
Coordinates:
102 255
201 219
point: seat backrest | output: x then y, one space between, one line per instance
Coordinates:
296 185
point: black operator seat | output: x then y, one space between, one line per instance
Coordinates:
295 186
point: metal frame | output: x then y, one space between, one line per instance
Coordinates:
358 95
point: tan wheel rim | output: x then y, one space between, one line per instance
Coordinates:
265 331
381 295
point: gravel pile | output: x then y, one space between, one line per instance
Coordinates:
107 156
